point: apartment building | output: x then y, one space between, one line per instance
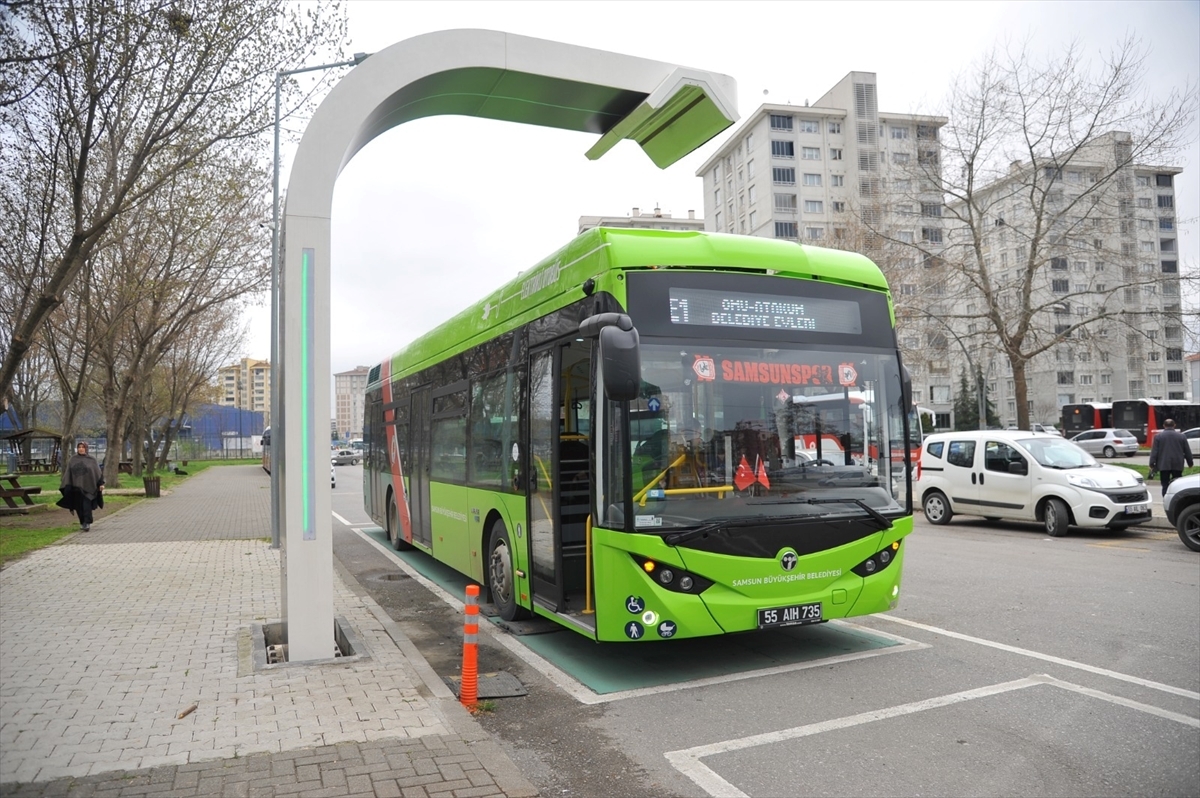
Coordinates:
840 173
349 394
247 385
1107 279
655 220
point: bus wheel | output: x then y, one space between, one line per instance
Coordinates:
937 508
1056 518
500 576
394 533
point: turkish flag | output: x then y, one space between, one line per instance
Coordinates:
743 477
761 475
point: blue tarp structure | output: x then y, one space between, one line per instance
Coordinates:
222 431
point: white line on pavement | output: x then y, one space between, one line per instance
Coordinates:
687 761
1124 677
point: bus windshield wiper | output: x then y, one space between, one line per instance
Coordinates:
883 520
719 525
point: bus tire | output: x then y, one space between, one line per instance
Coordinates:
937 508
1056 517
500 577
393 531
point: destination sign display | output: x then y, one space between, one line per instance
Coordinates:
708 308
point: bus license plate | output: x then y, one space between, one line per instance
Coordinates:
1137 509
790 616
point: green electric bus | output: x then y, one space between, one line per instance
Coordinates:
656 435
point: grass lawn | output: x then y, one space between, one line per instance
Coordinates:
1145 470
47 523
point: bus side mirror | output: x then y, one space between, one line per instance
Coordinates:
906 387
620 363
620 354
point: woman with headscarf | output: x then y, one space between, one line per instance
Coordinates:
82 486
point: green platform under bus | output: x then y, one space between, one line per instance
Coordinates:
608 668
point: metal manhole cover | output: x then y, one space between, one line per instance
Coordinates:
389 576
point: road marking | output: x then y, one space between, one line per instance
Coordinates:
343 521
585 695
687 761
1166 688
1118 544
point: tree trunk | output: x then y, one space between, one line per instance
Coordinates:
1021 391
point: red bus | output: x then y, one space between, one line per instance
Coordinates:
1145 417
1081 418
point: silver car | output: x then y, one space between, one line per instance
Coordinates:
1107 442
344 456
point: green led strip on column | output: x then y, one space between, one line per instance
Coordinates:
307 334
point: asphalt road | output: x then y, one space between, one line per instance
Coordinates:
1033 666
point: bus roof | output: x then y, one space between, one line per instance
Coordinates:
558 279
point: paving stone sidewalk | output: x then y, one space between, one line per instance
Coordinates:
108 637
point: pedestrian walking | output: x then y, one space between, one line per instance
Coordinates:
82 486
1168 453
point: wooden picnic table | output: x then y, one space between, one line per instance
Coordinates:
13 491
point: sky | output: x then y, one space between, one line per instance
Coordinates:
437 213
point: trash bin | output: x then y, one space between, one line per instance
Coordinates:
152 485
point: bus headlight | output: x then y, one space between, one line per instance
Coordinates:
878 561
671 578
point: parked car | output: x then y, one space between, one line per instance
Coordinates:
1181 503
1193 439
1026 476
343 456
1108 442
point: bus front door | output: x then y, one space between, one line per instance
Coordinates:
560 477
545 555
418 477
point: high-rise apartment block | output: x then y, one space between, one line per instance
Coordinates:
1109 280
247 385
349 394
841 173
809 173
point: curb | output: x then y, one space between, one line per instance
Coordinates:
498 764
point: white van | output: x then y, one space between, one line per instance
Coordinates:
1026 476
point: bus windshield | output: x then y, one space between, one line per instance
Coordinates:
726 431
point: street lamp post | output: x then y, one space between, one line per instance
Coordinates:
276 316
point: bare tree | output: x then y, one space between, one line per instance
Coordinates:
185 377
1039 168
189 250
102 104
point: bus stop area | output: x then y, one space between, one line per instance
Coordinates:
126 672
127 655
